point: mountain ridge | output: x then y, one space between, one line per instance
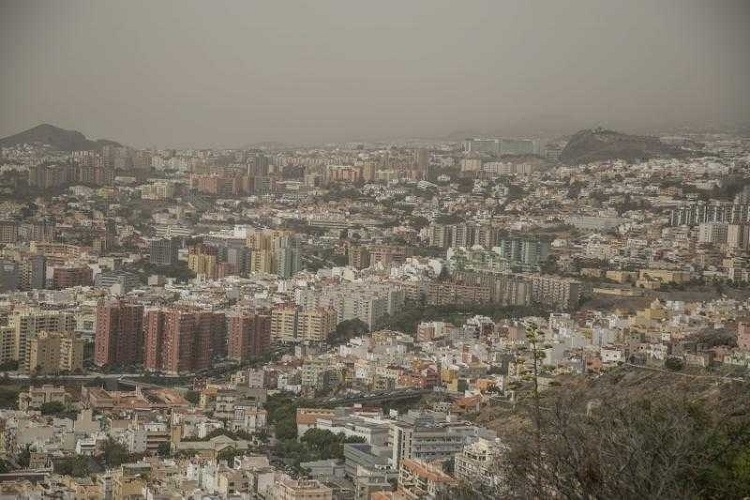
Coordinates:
591 145
58 138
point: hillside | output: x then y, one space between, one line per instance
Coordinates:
633 432
55 137
601 145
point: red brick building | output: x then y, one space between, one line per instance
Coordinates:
118 339
249 335
66 277
179 340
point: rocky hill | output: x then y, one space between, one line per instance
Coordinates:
601 145
55 137
633 432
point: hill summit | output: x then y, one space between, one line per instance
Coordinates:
601 145
55 137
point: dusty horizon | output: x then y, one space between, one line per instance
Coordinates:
192 74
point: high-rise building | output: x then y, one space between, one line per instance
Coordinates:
287 256
70 276
179 341
163 252
203 259
421 163
42 230
713 232
502 146
259 166
388 255
564 293
9 276
123 281
249 335
33 273
369 170
738 236
118 339
367 301
316 324
54 352
526 253
471 165
27 323
284 323
8 231
7 344
359 257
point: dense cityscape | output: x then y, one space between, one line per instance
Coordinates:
342 250
345 321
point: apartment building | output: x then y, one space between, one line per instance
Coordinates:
179 340
368 301
249 335
292 323
27 323
35 397
423 480
428 437
316 324
287 488
50 353
118 339
479 463
70 276
284 323
163 252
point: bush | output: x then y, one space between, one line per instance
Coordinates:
77 466
674 364
193 397
52 408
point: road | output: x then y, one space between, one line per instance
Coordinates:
90 376
381 397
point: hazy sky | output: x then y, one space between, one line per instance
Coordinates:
179 73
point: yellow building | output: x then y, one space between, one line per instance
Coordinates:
262 261
284 323
664 275
54 352
25 323
128 482
260 241
621 276
448 374
203 263
316 324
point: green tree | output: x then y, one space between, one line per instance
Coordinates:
286 429
348 329
9 396
52 408
228 454
77 466
164 450
24 458
674 363
193 397
324 444
114 454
